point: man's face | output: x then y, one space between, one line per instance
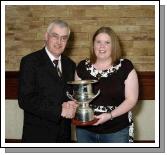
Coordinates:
56 40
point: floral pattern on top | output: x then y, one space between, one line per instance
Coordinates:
102 73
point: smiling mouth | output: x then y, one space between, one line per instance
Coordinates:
57 47
102 51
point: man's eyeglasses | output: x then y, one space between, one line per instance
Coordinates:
56 37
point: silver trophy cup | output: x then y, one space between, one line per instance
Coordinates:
82 93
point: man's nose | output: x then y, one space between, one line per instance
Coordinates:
59 40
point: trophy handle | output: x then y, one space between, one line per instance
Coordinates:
70 96
95 95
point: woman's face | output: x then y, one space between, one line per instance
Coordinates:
102 46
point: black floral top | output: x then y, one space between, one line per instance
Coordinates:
112 92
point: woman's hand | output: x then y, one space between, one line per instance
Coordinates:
104 117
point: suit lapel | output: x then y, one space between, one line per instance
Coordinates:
65 69
48 65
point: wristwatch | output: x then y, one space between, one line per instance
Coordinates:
111 117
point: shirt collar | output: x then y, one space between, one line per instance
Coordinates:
51 55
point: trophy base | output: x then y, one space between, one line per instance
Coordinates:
79 123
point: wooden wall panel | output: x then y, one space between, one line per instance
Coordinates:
11 85
146 84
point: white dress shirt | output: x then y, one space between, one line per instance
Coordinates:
53 58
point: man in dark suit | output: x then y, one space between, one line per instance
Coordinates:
42 89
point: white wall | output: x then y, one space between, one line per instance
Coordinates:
13 120
144 117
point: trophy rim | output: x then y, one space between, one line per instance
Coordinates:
77 82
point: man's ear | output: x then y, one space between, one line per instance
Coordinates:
46 36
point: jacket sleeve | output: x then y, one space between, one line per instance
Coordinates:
29 97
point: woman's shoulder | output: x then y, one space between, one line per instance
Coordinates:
127 63
84 62
82 68
126 67
68 61
123 63
127 60
122 67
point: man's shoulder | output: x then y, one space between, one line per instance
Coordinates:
33 56
67 59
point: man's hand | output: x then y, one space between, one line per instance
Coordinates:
69 109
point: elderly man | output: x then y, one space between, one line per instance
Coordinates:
42 89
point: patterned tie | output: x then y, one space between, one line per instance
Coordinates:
57 68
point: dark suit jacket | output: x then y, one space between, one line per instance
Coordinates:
41 94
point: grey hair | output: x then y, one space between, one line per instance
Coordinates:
60 23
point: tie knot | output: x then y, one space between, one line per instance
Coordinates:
55 62
57 68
